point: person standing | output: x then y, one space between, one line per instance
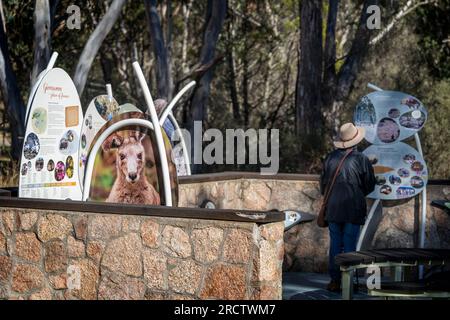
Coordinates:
346 207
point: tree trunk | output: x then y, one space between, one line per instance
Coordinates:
186 14
164 81
329 77
215 18
246 69
345 79
42 38
308 95
232 73
12 98
94 43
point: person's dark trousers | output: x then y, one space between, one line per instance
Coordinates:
343 238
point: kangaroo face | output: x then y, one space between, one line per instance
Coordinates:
130 159
130 154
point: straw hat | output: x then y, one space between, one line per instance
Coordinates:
349 136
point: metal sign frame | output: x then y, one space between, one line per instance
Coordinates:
375 214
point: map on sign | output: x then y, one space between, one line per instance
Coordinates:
399 169
50 151
389 116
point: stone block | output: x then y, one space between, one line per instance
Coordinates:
124 255
53 226
28 247
176 242
207 243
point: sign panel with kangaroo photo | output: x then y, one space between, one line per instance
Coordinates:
127 168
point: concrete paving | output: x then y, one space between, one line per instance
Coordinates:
312 286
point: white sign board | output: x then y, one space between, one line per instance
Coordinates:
389 116
48 166
400 170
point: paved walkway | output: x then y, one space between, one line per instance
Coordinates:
312 286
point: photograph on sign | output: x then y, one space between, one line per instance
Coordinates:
127 169
51 140
400 171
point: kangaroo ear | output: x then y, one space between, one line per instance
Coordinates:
113 141
140 135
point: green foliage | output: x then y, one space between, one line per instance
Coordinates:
433 24
436 132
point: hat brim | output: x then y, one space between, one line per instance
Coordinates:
351 143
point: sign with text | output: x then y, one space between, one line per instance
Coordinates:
389 116
399 169
48 166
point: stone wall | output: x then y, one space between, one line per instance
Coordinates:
63 255
306 245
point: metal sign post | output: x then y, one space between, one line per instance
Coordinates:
158 133
167 113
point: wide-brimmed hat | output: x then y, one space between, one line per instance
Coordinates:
349 136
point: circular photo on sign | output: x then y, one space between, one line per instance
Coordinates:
88 121
50 165
417 166
31 147
386 189
395 180
409 158
394 113
405 192
83 141
403 173
39 164
60 171
68 143
417 182
388 130
381 180
39 120
83 159
413 120
24 170
69 167
106 108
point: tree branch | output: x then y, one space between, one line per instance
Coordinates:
94 43
350 69
42 38
409 7
330 45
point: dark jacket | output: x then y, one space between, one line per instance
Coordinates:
347 202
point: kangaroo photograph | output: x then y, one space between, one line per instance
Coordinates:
126 170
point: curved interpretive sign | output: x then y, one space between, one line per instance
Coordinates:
400 171
48 166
